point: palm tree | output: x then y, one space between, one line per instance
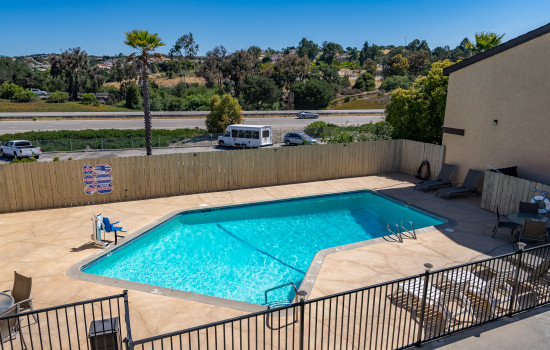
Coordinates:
145 43
484 42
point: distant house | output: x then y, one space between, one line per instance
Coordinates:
498 110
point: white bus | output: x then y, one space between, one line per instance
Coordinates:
247 136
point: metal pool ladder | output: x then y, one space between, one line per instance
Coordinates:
402 231
280 302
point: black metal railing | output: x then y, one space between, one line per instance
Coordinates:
92 324
391 315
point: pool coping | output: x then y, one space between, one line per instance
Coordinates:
308 282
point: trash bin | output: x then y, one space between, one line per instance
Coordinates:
105 334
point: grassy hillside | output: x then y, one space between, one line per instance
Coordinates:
42 106
372 101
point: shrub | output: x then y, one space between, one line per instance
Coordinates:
55 159
24 95
8 90
24 160
133 97
316 129
224 111
89 99
365 82
394 82
58 97
347 99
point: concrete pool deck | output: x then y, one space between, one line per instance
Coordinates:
44 244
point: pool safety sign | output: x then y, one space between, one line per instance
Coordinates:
97 178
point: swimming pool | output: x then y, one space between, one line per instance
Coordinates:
238 252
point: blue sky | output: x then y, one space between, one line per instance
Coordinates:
30 26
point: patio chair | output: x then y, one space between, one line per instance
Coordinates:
444 179
528 208
468 186
9 328
21 292
533 230
504 224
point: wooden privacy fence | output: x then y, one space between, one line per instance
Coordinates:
505 192
28 186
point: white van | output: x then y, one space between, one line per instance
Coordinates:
247 136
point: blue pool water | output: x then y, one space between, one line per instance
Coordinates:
239 252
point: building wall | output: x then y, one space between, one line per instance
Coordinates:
512 87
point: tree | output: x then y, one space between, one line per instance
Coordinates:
396 65
223 112
146 44
441 53
290 69
307 48
238 66
259 91
212 65
484 42
132 96
255 51
187 49
330 50
370 66
326 73
461 51
365 82
313 94
418 61
373 52
73 66
417 45
394 82
353 54
418 113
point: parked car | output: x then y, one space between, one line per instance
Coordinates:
304 114
299 138
20 149
39 92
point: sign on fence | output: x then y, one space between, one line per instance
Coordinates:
97 179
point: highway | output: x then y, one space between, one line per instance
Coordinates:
285 123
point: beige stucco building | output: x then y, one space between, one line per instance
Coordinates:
498 109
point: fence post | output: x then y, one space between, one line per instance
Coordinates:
71 143
302 330
428 266
521 246
128 340
132 140
159 141
102 143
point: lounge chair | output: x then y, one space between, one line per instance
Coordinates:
437 300
9 328
108 227
444 179
496 290
533 230
504 224
469 185
21 292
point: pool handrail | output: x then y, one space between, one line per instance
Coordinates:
281 286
